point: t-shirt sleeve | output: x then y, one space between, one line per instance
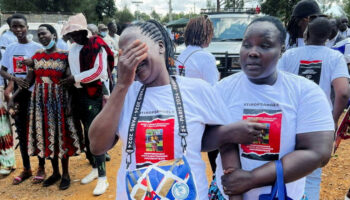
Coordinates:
313 112
216 112
340 68
6 61
209 69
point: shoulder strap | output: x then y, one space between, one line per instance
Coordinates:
182 68
130 145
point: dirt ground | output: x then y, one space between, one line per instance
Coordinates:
335 179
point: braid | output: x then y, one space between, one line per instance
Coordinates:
293 30
157 32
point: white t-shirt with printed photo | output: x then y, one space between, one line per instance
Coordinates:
158 116
201 64
317 63
291 106
17 50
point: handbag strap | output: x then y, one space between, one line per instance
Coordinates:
282 192
130 145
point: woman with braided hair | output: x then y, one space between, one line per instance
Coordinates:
299 21
165 106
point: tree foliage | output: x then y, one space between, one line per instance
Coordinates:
94 10
234 4
279 8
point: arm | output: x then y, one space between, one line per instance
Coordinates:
313 150
230 162
102 132
242 132
100 66
19 81
341 90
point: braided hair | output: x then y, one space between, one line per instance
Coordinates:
199 31
157 32
293 29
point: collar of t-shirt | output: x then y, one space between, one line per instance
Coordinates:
263 87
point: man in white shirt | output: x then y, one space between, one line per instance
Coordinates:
327 68
14 70
343 23
112 39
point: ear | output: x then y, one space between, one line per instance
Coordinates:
161 47
283 49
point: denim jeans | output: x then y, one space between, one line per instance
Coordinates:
312 186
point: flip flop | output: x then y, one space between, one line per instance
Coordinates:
22 177
39 177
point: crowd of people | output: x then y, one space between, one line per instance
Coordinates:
99 88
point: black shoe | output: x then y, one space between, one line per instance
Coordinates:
108 157
65 183
51 180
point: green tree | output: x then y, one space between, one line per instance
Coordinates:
105 9
124 16
347 7
279 8
234 4
155 15
141 16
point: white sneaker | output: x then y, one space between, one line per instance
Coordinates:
90 177
101 187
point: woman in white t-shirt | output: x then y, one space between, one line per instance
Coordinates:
146 53
299 120
194 61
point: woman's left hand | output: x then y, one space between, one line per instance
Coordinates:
67 81
236 181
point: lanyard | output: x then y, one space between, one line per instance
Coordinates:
130 145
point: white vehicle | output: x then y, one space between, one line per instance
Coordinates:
229 28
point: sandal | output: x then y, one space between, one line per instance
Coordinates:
25 174
39 177
51 180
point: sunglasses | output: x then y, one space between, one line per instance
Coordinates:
312 17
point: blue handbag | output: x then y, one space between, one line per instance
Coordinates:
279 188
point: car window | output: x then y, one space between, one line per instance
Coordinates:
229 28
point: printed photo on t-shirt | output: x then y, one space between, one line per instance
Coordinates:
154 139
18 66
311 70
267 145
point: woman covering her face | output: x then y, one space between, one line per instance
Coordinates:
146 55
299 125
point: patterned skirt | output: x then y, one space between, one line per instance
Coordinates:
51 131
7 154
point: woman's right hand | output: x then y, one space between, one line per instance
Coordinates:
21 82
129 59
247 131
